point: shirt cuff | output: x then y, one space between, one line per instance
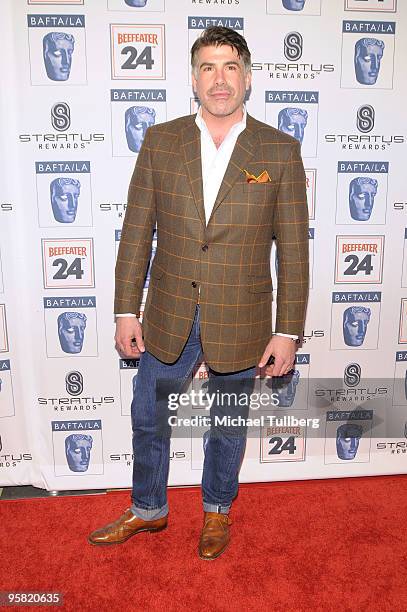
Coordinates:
126 314
286 335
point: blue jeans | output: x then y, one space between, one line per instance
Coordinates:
223 448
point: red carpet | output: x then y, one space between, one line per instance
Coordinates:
297 546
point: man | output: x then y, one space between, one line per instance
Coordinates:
219 186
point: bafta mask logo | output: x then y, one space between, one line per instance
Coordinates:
293 5
355 322
368 56
64 194
293 121
347 440
71 331
58 49
77 451
362 193
137 120
285 387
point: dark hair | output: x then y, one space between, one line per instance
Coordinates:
216 36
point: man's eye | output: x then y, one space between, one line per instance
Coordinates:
138 126
367 58
57 53
207 68
354 324
69 330
291 126
361 196
63 197
232 67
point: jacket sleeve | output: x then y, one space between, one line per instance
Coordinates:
291 232
136 237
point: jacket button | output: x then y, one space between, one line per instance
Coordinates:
204 247
193 283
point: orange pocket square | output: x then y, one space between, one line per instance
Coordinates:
264 177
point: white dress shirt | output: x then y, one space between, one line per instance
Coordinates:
214 161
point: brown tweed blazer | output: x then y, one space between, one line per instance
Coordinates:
228 258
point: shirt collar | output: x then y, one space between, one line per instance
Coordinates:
239 126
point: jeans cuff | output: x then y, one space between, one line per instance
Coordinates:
149 514
219 508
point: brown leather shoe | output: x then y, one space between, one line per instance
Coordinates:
215 535
124 528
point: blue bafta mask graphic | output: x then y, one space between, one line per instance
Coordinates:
77 451
71 331
64 199
368 55
134 383
362 192
57 49
293 121
285 388
293 5
355 321
347 440
136 3
137 120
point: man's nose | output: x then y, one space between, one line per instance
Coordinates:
71 201
220 76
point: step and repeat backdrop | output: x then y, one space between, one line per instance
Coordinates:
82 80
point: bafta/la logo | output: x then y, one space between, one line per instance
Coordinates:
74 383
365 118
61 116
352 375
293 46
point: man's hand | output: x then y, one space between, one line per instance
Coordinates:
129 337
283 350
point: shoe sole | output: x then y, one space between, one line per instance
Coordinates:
215 556
152 530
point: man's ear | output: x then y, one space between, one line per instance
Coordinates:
193 80
248 80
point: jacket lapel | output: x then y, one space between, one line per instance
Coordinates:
191 146
242 153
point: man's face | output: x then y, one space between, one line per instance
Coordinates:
136 125
136 3
361 200
58 58
293 5
355 327
292 123
64 201
220 81
367 62
71 335
347 441
78 455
